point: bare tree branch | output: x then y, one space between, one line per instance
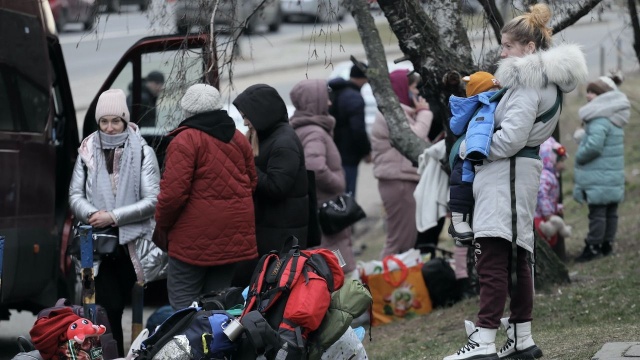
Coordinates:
574 14
493 16
212 40
633 13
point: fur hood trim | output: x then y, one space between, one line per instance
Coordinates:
564 65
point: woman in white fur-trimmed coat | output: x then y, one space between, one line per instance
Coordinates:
506 184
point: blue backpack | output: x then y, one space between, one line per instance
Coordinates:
190 333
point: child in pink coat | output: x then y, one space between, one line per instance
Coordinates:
547 221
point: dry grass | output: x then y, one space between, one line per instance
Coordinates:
602 303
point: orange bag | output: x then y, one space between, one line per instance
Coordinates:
397 294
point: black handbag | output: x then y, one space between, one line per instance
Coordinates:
340 213
105 241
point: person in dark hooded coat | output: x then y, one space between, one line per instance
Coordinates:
281 199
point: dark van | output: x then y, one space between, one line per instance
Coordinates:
39 137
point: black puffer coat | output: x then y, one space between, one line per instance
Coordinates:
281 200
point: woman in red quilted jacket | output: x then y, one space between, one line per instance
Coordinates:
205 207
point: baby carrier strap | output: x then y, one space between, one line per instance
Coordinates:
549 114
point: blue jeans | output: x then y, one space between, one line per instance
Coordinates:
351 177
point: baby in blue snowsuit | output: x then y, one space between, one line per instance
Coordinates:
472 120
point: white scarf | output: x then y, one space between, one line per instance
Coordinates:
613 105
122 187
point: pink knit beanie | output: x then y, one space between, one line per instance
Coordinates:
112 102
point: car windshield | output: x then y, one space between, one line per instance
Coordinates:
166 76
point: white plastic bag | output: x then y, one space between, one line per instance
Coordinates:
348 347
409 258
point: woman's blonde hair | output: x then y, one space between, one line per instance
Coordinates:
252 136
531 26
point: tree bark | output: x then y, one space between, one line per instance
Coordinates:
549 269
574 14
633 13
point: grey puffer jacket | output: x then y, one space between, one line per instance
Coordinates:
532 81
150 257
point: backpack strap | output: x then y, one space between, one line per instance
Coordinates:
549 114
257 281
259 332
545 116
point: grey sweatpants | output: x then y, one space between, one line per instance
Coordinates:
603 223
186 282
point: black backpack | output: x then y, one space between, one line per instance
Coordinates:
202 329
229 298
440 279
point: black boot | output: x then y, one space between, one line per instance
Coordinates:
589 253
606 248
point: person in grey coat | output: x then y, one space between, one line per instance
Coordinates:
115 182
599 162
506 184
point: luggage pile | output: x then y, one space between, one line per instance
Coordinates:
297 307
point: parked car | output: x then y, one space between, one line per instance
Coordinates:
71 11
313 10
39 140
230 15
342 70
113 6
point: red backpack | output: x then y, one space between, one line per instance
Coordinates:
290 292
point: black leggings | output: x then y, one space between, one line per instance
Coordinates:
114 282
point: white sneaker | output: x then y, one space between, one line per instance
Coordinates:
481 344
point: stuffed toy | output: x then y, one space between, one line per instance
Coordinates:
81 329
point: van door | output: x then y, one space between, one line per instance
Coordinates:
27 155
154 73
